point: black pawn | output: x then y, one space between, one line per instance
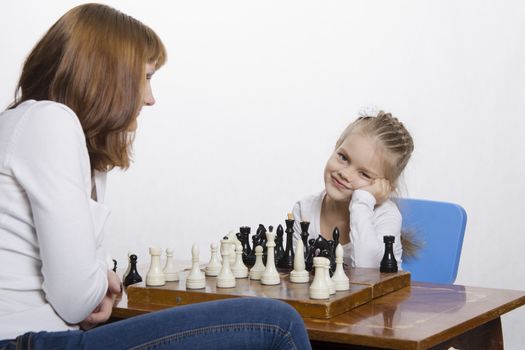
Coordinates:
133 275
388 263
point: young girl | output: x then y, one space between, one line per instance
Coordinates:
359 177
80 93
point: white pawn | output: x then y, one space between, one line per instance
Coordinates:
155 276
170 272
225 279
196 278
340 279
329 282
258 268
299 273
214 266
239 269
270 276
319 288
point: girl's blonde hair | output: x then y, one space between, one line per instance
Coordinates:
392 137
93 60
397 144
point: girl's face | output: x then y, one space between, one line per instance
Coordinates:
356 163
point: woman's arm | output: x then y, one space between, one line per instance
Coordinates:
50 160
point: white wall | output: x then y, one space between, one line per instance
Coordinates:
255 93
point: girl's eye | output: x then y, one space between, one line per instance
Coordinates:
342 157
148 76
365 175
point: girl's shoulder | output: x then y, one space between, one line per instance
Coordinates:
310 203
388 208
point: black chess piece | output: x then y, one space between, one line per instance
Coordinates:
133 275
316 248
304 234
114 265
279 250
388 263
286 261
248 256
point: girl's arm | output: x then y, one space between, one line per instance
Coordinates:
368 225
51 163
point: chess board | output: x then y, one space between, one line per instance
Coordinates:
365 285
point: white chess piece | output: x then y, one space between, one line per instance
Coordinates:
155 276
270 276
196 278
232 237
319 288
239 269
342 282
170 272
129 266
299 273
225 279
329 282
214 266
258 268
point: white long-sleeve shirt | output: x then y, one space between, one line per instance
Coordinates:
53 271
368 224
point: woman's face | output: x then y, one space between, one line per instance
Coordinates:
149 100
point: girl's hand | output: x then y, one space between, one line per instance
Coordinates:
379 188
103 311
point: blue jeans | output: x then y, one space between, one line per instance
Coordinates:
243 323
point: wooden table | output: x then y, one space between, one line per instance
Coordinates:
422 316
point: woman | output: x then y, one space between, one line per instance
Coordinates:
79 95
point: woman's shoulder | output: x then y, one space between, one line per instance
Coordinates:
44 117
49 110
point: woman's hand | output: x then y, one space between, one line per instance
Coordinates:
380 189
103 311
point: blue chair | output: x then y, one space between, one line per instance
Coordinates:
439 227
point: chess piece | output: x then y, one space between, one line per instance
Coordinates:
129 266
225 279
239 269
279 250
340 279
329 282
304 234
170 272
133 275
299 273
232 237
258 268
196 278
214 266
286 262
155 276
248 256
270 276
388 263
319 289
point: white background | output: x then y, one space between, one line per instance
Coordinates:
255 94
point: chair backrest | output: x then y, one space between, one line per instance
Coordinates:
439 227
